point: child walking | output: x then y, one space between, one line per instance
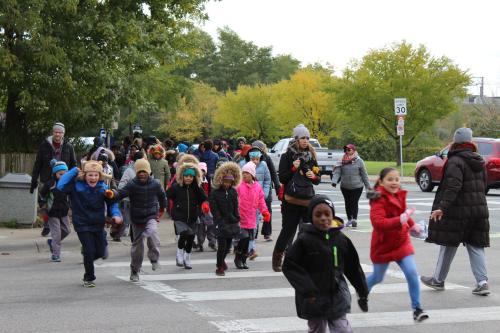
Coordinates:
391 222
205 228
187 198
251 198
89 200
146 195
225 211
55 205
315 266
159 165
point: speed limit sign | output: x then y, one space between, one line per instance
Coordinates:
400 106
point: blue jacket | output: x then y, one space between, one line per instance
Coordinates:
262 174
88 203
211 159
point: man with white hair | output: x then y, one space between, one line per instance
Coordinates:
53 147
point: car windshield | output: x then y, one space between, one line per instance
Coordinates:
314 143
484 148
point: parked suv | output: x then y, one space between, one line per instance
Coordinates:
428 172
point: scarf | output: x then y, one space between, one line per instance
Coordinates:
346 159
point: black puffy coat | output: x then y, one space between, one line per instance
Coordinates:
224 207
45 154
313 269
187 200
145 198
461 196
56 201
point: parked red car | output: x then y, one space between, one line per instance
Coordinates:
428 172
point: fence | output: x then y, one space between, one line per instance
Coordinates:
16 162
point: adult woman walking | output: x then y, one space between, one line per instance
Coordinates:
460 213
298 171
352 176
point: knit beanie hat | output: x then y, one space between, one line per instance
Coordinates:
203 167
182 148
462 135
57 166
58 127
250 168
300 131
189 172
259 145
241 139
337 222
142 165
156 149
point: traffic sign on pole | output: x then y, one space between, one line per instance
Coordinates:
400 106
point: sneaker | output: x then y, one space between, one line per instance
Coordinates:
220 271
55 258
49 243
482 290
179 258
134 276
268 238
420 315
252 255
354 224
155 266
432 283
187 260
45 232
88 284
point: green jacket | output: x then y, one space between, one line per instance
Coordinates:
160 170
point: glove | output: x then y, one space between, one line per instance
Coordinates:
406 215
266 216
45 217
205 208
109 194
363 304
161 212
34 185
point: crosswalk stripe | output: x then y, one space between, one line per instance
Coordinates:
204 276
361 320
105 264
176 295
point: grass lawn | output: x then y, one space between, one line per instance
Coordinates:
374 167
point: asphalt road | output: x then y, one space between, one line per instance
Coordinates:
39 296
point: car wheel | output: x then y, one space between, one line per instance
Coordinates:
425 181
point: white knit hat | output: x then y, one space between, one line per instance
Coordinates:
300 131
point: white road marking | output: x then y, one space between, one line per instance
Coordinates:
204 276
360 320
108 264
176 295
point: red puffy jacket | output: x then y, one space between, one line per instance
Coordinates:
390 238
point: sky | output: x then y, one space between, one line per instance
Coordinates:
336 32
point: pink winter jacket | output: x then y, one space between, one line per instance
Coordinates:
250 198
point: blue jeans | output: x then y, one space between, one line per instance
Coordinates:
409 268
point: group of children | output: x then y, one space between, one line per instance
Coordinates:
315 264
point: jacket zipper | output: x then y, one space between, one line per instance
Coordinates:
334 251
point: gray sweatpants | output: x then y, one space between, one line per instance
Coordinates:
477 261
340 325
59 229
148 231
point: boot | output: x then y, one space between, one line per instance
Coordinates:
237 260
224 266
244 261
277 261
179 258
187 260
220 271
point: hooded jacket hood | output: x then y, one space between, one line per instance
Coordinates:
99 151
474 160
183 167
187 158
228 168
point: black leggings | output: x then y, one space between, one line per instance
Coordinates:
292 216
267 228
224 245
351 199
185 242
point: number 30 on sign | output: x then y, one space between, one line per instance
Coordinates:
400 106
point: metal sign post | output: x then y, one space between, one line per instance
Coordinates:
400 111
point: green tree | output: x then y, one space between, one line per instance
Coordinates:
233 62
81 61
305 99
247 111
432 87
